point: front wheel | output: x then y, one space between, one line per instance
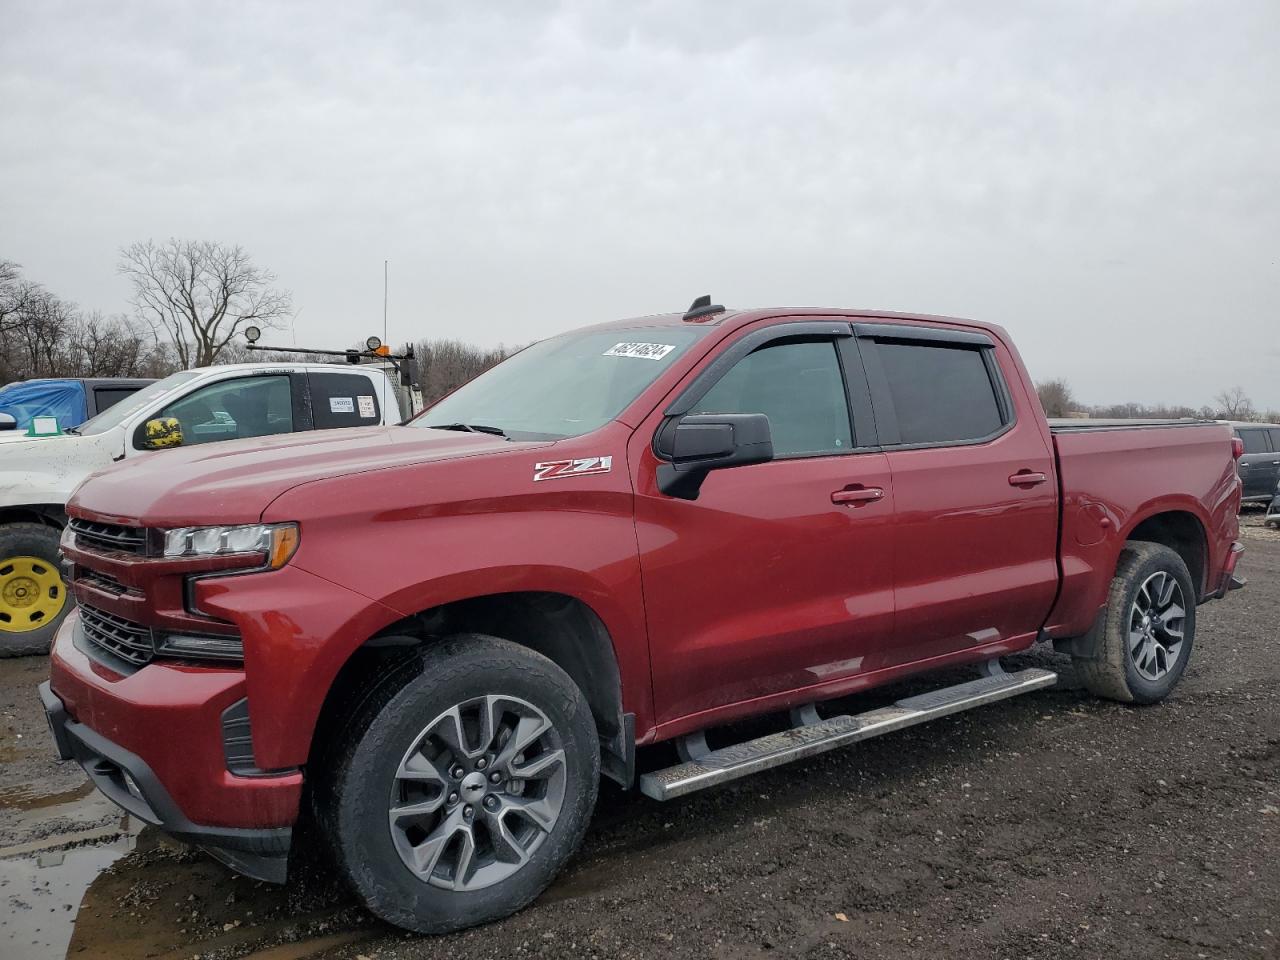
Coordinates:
33 598
1142 641
465 782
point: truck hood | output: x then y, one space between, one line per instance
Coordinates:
47 469
233 481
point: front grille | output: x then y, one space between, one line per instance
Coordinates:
122 638
110 536
102 581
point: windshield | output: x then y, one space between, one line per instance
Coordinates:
565 386
122 411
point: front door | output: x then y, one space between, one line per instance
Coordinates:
778 577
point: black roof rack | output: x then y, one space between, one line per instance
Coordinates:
702 307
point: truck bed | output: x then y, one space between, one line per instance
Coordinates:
1113 472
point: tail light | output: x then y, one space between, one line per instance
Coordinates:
1237 448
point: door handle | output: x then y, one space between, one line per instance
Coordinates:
859 495
1025 478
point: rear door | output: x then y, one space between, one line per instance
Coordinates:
976 505
1257 472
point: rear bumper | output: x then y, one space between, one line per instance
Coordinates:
1230 580
152 742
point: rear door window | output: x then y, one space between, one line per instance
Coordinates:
1275 438
343 400
941 394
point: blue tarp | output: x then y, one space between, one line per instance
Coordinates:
63 399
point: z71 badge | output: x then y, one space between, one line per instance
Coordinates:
555 469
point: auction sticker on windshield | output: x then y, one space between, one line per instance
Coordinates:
342 405
643 351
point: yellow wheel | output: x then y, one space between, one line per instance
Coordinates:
32 594
33 598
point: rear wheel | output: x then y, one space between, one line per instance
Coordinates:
463 785
33 597
1143 639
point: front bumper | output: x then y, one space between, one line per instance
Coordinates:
152 743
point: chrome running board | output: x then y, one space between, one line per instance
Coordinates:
711 768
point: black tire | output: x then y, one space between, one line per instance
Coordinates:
38 541
354 790
1109 669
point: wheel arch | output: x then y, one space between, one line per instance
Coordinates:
1182 531
561 627
50 514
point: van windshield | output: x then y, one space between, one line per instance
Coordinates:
122 411
562 387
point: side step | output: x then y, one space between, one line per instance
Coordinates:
743 759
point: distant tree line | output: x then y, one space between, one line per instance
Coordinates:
192 300
1058 400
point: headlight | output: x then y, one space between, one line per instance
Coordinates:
275 541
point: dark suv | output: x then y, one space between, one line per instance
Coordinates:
1260 465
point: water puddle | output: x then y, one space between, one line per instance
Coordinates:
31 798
42 891
127 892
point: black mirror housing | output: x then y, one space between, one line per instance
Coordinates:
698 443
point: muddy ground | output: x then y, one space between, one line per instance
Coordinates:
1052 825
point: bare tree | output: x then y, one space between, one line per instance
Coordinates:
197 295
10 281
1234 404
1056 398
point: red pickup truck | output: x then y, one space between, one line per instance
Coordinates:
442 634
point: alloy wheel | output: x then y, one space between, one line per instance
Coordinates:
1157 620
478 792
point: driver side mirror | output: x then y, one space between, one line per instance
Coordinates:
694 445
7 422
161 433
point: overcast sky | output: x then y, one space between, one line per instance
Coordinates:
1100 178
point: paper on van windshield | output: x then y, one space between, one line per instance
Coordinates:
342 405
643 351
366 407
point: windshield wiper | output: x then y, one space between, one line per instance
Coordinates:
74 430
470 428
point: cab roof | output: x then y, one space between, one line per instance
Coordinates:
732 318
